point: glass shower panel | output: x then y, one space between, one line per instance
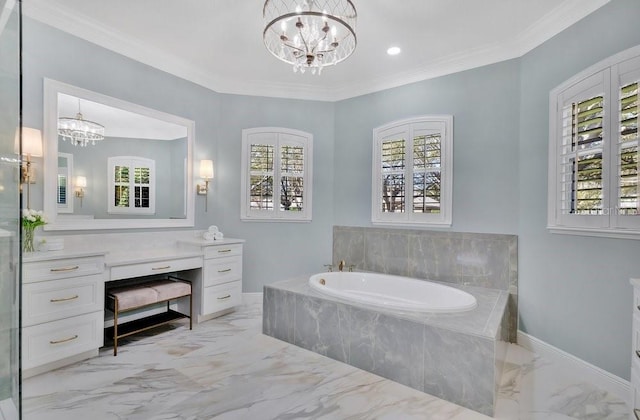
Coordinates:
9 210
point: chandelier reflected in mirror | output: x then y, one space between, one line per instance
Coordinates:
80 131
310 34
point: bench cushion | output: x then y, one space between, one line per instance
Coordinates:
134 296
170 289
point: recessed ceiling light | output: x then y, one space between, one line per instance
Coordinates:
394 51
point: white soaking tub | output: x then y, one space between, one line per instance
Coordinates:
393 292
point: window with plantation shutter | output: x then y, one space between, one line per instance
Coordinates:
412 172
132 185
276 174
593 150
628 151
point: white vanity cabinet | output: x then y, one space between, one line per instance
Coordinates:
219 283
62 309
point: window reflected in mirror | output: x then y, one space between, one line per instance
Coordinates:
64 199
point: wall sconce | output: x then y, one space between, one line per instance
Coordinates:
31 147
81 182
206 173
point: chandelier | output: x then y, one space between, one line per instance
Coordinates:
310 34
80 131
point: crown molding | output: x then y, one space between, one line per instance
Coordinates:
95 32
564 15
560 18
557 20
5 13
464 60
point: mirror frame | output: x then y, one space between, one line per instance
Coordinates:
50 138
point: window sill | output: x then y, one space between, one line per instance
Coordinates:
601 233
411 224
279 220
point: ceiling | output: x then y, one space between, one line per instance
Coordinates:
218 43
119 122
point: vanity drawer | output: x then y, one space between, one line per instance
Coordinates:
58 269
221 297
157 267
219 251
222 270
57 340
57 299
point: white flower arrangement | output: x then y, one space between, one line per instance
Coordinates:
31 219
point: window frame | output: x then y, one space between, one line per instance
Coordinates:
66 173
609 76
278 137
131 162
407 127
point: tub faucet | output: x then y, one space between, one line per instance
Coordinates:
341 265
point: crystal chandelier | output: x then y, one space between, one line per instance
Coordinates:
310 34
80 131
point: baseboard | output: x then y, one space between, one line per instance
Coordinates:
251 298
613 384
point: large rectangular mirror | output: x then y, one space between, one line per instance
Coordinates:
112 164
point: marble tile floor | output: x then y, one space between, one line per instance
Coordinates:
226 369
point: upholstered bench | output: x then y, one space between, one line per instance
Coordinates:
129 298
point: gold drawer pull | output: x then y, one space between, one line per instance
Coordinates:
224 271
61 269
161 268
224 297
64 299
223 250
64 340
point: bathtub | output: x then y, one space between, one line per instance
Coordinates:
392 292
457 357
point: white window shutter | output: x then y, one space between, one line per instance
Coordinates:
594 155
412 172
277 174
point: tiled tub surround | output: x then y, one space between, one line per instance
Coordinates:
471 259
457 357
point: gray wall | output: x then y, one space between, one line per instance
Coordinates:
500 129
273 250
484 104
276 250
92 162
177 186
574 291
53 54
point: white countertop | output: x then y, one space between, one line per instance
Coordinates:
202 242
59 255
115 259
119 258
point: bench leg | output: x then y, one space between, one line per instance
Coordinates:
115 328
191 311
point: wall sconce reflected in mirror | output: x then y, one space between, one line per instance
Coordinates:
81 183
206 173
31 147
